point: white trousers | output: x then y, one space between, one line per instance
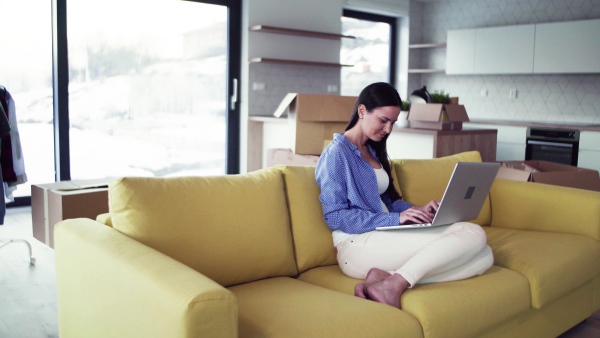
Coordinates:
427 255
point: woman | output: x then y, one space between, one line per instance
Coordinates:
358 195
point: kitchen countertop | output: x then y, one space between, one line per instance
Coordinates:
555 125
465 130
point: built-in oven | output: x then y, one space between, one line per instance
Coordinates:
553 145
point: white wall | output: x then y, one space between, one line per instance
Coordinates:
278 80
542 98
315 15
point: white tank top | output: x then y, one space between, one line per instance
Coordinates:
383 181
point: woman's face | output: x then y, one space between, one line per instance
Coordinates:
379 122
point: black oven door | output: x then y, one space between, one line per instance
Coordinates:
565 153
560 146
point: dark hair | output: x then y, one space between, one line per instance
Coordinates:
375 95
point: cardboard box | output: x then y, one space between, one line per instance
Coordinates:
437 116
287 157
54 202
314 118
550 173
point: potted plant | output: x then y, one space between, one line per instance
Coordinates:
403 118
440 97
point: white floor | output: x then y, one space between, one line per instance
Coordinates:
27 292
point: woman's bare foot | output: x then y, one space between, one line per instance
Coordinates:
374 275
388 291
360 290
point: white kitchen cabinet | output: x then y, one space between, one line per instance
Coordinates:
492 50
511 141
406 145
567 47
460 51
589 150
546 48
504 50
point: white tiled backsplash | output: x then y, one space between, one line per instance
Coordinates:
280 79
558 98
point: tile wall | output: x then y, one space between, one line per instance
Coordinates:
281 79
541 98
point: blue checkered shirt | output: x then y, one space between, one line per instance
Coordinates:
349 196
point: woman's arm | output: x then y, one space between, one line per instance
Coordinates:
346 206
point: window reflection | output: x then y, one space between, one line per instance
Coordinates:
369 53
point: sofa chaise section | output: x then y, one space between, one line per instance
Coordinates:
530 245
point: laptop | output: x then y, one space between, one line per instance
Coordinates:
465 194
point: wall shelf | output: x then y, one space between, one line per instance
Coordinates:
427 45
298 32
296 62
426 70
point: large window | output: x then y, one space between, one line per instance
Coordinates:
123 87
147 92
372 52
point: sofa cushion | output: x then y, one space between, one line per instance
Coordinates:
312 237
465 308
544 207
330 277
420 181
554 263
234 228
286 307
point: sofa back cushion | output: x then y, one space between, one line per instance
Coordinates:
313 243
233 229
420 181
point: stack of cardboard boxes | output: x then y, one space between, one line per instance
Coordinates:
312 121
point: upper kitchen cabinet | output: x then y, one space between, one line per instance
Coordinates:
504 50
567 47
493 50
547 48
460 52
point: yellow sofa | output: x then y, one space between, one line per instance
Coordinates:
250 256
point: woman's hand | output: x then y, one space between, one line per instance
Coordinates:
418 214
431 207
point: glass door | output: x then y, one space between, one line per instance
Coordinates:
140 88
26 73
148 89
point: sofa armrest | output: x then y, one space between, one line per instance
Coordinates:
110 285
543 207
105 219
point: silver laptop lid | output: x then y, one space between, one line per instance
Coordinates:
466 192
